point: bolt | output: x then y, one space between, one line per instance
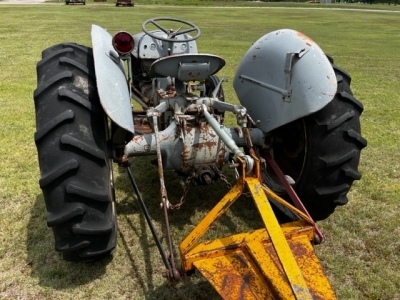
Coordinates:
206 178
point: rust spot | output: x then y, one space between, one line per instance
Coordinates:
142 126
230 284
208 145
207 129
188 129
227 204
163 138
137 139
221 157
299 250
186 156
309 41
242 262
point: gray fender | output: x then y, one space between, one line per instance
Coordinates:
284 76
112 85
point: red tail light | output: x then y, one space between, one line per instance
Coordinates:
123 42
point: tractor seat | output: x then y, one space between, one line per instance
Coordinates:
187 67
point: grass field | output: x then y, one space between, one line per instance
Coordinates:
361 256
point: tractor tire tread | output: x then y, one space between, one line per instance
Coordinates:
73 155
334 144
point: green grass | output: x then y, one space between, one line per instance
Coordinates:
379 5
361 256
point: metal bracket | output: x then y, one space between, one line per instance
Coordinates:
275 262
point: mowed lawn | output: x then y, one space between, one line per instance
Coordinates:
361 255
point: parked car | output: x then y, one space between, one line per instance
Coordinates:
75 1
124 3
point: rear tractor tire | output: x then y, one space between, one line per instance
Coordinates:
75 167
321 152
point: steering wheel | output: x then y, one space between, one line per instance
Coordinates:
171 34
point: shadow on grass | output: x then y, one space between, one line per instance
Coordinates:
195 287
48 265
52 271
199 201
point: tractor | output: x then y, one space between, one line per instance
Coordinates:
295 149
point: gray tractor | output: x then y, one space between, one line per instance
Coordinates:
153 93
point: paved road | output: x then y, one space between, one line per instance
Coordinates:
22 2
222 7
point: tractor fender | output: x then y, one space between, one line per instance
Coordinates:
112 85
284 76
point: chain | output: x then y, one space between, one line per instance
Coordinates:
229 185
187 186
223 178
185 191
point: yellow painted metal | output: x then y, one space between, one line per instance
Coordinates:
213 215
230 265
275 262
281 247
